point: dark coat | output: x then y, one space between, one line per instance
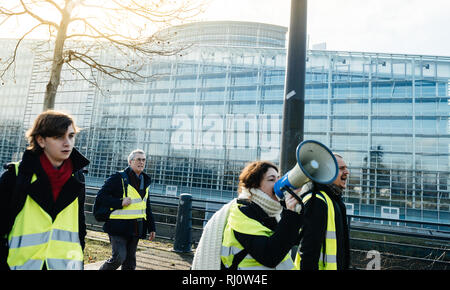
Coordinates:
270 251
111 194
13 191
314 229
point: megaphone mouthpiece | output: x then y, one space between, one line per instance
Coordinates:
312 166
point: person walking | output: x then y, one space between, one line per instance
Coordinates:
254 231
127 193
324 238
42 222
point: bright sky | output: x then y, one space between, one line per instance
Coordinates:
391 26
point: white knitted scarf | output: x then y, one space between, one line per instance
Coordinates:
272 207
207 255
208 252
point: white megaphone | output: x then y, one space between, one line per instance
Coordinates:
314 162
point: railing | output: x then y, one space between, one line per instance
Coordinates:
402 244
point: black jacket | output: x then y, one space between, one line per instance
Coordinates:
270 251
111 194
314 229
13 191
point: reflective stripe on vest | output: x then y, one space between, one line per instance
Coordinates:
329 262
42 238
138 207
35 238
230 245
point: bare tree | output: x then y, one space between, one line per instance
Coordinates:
129 26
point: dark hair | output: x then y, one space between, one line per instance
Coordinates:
48 124
252 175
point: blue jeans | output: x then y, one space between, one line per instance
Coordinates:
123 253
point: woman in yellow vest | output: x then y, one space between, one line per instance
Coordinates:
259 232
42 223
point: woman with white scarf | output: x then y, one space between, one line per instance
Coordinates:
254 231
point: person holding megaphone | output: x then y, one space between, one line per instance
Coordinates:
257 232
321 176
254 231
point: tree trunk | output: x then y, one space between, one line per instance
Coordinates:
58 60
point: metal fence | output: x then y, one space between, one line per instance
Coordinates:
376 243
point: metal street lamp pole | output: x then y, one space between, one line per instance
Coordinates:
294 90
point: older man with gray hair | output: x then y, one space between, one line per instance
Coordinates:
126 192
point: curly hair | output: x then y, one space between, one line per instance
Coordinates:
252 175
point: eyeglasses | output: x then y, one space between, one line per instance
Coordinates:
140 159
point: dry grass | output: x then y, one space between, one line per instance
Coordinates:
96 251
98 247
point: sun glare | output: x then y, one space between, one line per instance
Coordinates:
17 26
369 25
266 11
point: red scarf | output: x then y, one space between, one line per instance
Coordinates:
57 177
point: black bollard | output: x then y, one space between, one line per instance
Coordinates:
183 234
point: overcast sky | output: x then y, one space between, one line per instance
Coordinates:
390 26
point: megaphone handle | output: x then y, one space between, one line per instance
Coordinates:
286 188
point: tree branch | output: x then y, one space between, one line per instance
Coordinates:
104 68
56 6
41 20
137 45
12 59
116 25
159 15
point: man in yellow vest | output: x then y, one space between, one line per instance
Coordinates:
324 243
127 194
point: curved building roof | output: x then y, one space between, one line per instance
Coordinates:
228 33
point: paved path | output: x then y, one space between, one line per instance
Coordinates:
151 256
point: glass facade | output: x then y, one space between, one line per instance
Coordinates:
219 104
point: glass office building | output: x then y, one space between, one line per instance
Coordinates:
219 103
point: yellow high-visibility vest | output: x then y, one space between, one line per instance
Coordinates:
231 246
35 238
329 261
138 207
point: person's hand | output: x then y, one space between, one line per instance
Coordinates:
151 236
292 204
297 190
126 201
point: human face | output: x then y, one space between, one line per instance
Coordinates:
268 182
58 148
341 179
137 164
